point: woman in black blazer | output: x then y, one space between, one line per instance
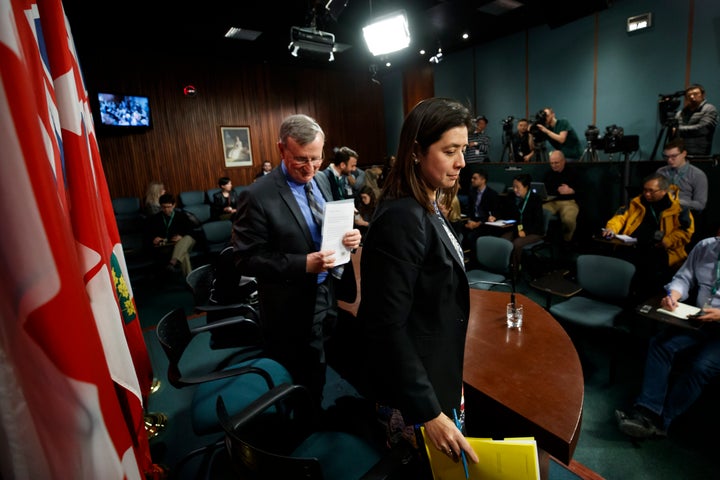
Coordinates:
415 296
526 208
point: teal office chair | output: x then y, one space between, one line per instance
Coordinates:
605 283
217 236
192 197
201 211
493 256
245 332
241 380
533 262
277 437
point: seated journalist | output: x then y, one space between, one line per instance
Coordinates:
669 389
662 228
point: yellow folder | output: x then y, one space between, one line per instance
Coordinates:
509 459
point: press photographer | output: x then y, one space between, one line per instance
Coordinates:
478 149
559 133
522 144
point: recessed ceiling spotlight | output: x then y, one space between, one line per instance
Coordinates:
465 36
422 52
388 64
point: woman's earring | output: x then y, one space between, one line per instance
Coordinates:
415 159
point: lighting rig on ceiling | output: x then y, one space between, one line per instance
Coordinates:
310 41
438 57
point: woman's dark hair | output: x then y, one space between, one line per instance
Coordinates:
223 181
423 126
366 211
525 179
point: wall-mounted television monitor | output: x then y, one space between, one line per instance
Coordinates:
129 111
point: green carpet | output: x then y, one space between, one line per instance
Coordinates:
685 454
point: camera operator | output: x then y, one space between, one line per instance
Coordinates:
662 228
522 146
478 149
560 134
696 122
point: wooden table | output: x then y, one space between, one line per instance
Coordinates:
525 382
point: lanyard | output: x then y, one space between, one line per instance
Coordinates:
523 207
717 277
657 220
168 222
678 176
453 240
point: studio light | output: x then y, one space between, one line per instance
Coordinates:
387 34
311 42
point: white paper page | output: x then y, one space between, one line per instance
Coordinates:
682 310
500 223
626 238
337 221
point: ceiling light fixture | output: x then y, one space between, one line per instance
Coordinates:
639 22
438 57
388 33
312 41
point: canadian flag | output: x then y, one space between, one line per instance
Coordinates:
74 370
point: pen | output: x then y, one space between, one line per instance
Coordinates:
462 452
670 299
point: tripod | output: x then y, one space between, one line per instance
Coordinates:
589 154
669 128
508 147
541 154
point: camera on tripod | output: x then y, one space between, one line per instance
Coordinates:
507 123
667 107
540 119
613 139
592 134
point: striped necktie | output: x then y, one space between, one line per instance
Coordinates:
317 215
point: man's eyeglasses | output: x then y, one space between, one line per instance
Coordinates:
306 160
672 156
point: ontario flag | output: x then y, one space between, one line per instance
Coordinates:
74 370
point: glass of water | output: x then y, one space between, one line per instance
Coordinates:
514 315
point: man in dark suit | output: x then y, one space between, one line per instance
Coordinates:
277 240
337 173
482 201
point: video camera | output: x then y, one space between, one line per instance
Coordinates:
592 134
668 105
540 119
507 123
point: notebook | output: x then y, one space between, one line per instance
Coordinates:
539 189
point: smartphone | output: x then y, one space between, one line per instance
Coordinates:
696 315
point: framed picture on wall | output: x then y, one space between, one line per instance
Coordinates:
236 146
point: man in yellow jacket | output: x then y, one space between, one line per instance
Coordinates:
662 228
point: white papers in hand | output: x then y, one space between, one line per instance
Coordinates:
337 221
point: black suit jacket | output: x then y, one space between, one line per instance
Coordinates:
271 240
338 192
414 308
532 218
488 203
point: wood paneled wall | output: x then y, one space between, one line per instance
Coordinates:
184 147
